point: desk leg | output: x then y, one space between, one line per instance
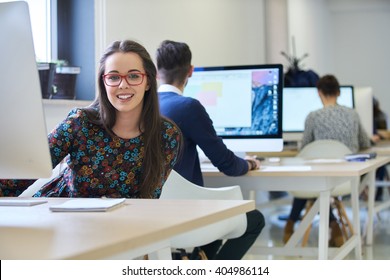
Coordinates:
371 205
299 232
356 218
323 230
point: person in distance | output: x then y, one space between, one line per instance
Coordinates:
334 122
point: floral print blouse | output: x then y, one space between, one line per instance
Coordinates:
98 164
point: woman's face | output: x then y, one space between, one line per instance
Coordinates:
126 72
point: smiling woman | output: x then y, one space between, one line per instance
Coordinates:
119 146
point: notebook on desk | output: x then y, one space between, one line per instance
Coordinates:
88 205
279 168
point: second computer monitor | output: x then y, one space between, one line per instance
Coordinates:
298 102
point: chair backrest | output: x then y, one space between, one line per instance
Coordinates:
38 184
177 187
326 149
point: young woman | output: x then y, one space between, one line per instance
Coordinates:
334 122
120 146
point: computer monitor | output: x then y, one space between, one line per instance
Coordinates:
244 103
24 149
298 102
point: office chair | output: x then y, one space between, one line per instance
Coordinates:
38 184
327 149
177 187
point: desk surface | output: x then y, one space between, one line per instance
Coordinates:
317 168
382 148
37 233
320 177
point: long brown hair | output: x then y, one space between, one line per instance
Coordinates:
150 122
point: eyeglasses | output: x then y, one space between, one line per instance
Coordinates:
132 79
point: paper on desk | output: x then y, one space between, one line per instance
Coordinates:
267 168
285 168
325 160
88 205
20 202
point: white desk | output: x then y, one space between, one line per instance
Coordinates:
142 226
322 177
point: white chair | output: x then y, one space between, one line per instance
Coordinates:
328 149
38 184
177 187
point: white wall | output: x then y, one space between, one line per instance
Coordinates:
309 25
361 39
348 38
219 32
276 31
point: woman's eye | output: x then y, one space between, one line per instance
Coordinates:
114 77
133 76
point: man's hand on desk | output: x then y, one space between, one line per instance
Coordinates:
253 162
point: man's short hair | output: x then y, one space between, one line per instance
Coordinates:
173 61
328 85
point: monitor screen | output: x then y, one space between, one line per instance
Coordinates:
244 103
24 148
298 102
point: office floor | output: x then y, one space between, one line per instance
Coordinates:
273 231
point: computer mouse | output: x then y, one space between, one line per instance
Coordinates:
274 159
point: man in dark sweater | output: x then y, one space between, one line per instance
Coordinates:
174 70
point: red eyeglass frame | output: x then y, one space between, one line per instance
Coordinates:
123 77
